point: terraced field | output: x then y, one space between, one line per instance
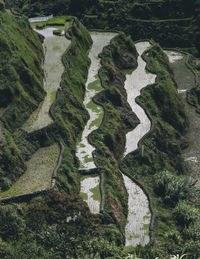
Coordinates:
54 47
40 167
84 149
137 226
38 174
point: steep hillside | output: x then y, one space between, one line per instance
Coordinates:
21 78
56 222
21 88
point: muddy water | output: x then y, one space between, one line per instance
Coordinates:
54 47
137 228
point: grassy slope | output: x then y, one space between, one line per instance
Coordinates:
38 174
20 88
21 77
69 112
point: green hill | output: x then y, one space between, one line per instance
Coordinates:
21 78
21 88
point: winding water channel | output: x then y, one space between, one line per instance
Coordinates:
139 216
84 149
93 87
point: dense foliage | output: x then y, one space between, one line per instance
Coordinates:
56 225
171 187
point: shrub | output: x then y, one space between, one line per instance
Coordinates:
193 231
40 26
2 5
186 214
172 188
57 32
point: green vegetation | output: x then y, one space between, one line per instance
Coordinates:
96 193
171 187
70 112
84 196
19 70
155 167
38 228
20 64
45 216
96 85
57 32
2 5
176 27
40 26
13 224
98 121
51 235
193 95
58 20
52 209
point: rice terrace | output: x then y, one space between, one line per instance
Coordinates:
99 129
